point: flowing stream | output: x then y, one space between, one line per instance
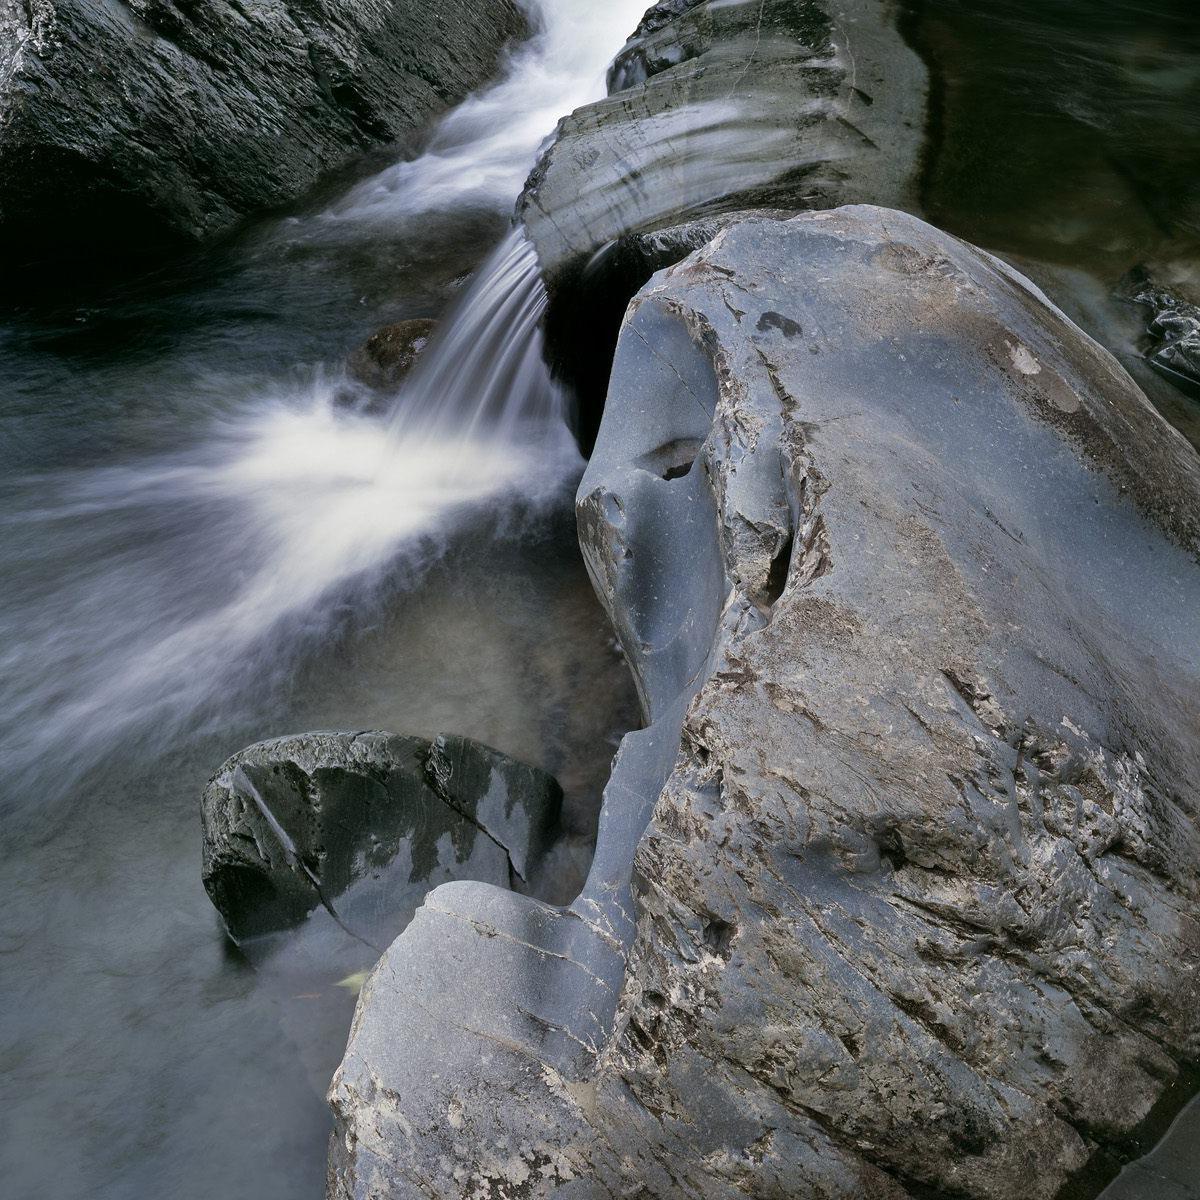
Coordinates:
209 535
198 569
483 378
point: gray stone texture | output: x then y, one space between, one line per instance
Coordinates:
363 825
717 106
895 896
142 121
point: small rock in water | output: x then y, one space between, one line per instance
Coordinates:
1173 332
388 355
363 825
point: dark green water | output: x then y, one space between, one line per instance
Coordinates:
1065 136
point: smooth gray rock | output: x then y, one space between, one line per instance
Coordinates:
1168 1172
127 122
716 106
363 825
908 573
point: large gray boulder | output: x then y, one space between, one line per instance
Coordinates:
896 894
145 121
362 825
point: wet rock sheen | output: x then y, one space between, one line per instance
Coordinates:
1172 342
135 122
385 359
364 824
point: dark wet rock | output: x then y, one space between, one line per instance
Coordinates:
137 122
383 361
362 825
645 55
1173 331
583 322
896 894
1168 1172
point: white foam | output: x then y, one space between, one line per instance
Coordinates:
195 574
482 152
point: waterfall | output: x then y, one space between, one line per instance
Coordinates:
482 151
484 375
197 573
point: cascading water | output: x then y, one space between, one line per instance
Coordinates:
482 151
200 571
484 376
208 537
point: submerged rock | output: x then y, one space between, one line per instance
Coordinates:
896 895
387 356
1173 330
364 824
137 122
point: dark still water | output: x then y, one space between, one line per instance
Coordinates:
209 536
142 1057
1065 135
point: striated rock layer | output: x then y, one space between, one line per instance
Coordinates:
142 121
896 895
715 107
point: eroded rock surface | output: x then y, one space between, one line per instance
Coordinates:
714 108
907 571
143 121
363 825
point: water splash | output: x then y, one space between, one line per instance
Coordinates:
482 151
193 580
157 598
484 376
